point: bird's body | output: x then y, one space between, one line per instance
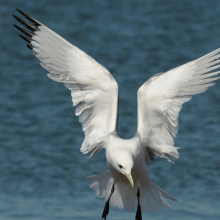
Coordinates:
130 153
121 148
94 91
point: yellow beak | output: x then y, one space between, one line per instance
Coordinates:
130 179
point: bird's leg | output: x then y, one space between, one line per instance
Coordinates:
138 213
106 208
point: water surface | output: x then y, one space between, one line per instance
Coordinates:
41 168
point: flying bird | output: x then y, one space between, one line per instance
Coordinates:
94 92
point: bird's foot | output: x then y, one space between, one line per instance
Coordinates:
138 213
106 210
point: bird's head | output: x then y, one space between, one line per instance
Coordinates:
123 163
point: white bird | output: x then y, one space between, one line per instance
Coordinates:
94 91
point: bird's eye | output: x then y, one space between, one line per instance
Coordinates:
120 166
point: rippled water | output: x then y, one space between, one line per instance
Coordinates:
41 168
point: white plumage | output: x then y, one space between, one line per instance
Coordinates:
94 91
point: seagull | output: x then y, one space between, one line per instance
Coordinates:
94 92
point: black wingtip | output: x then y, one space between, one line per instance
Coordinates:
25 38
29 34
19 10
34 21
29 46
27 25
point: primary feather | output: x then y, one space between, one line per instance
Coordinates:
93 89
160 100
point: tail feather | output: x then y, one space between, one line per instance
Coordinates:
152 198
155 199
168 196
151 195
102 183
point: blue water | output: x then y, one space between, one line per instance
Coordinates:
41 168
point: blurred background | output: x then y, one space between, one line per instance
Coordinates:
41 168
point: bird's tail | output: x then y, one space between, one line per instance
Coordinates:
124 196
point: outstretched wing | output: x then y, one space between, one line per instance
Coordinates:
93 89
160 100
